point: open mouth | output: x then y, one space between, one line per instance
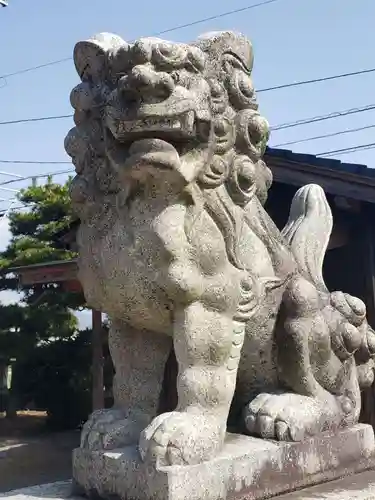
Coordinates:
142 141
181 127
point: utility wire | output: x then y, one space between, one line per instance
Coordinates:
266 89
318 80
4 212
367 148
38 119
11 175
320 118
201 21
359 147
216 16
326 154
36 162
282 126
163 32
38 176
33 68
10 190
316 137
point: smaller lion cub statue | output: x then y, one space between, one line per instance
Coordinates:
176 247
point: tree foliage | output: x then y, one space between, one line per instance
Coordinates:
57 378
41 330
44 311
34 230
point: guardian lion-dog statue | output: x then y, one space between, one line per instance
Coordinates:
176 247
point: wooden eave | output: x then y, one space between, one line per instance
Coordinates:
47 272
336 178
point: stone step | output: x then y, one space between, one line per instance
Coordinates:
60 490
357 487
247 468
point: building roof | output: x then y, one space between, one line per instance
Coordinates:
46 272
318 161
334 176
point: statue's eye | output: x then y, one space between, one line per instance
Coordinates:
230 62
165 50
169 56
245 85
239 83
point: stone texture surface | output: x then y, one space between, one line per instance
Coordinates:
60 490
353 487
247 468
176 247
358 487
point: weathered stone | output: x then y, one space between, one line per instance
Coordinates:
176 247
353 487
358 487
60 490
247 468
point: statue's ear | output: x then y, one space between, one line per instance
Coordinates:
91 56
227 42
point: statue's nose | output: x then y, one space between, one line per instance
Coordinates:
147 83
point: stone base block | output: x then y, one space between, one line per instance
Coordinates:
358 487
247 468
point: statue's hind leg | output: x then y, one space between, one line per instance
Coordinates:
139 358
320 391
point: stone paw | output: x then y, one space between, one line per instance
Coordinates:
110 429
291 417
178 438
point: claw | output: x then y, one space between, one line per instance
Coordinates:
291 417
282 431
179 438
266 427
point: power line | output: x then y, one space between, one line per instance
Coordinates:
11 175
318 80
10 190
359 147
282 126
320 118
194 23
266 89
316 137
216 16
36 162
33 68
5 212
38 119
38 176
163 32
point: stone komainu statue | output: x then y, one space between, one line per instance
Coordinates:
176 247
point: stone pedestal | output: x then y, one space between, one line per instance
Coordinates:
247 468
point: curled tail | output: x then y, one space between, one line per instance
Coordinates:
308 231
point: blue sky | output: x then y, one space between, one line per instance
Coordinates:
293 40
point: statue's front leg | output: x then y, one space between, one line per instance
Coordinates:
139 358
207 351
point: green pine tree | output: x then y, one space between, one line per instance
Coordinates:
43 320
